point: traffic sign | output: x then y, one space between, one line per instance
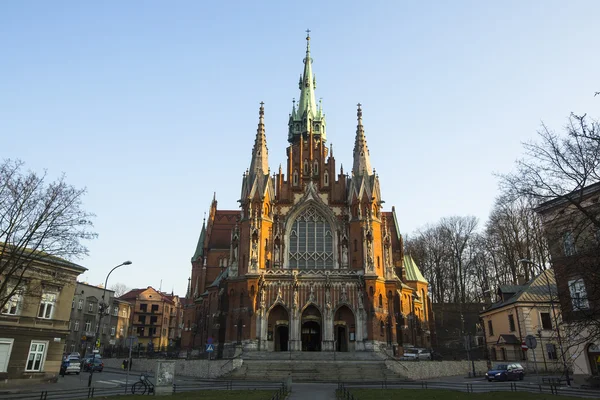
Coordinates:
524 346
210 348
531 342
209 340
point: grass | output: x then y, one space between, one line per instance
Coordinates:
208 395
434 394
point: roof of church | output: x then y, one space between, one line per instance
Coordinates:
220 234
412 270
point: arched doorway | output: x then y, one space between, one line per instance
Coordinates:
278 329
311 329
344 328
593 355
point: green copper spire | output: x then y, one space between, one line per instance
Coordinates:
307 103
306 114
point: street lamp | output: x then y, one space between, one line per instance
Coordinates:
526 261
101 311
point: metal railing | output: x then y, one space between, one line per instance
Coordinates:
277 389
344 389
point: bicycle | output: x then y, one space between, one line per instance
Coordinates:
143 385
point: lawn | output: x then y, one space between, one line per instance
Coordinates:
208 395
433 394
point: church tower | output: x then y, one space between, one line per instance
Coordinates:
313 263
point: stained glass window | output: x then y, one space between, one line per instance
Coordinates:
311 241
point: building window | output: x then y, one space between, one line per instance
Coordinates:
326 178
569 244
295 178
113 330
103 329
546 321
116 311
380 301
124 313
46 310
551 350
493 354
315 168
511 322
490 329
14 303
88 326
311 241
381 328
144 307
305 167
5 350
80 304
154 308
142 319
76 327
37 354
579 298
91 307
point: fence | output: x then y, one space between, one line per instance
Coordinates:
277 389
344 389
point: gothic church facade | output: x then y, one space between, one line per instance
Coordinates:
310 261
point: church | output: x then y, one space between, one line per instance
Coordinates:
310 261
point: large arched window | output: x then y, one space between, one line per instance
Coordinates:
311 241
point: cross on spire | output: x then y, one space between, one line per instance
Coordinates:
308 33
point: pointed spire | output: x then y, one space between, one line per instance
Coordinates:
188 293
307 84
362 160
260 154
200 246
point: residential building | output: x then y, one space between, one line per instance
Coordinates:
34 323
155 318
572 228
522 310
85 317
310 261
122 309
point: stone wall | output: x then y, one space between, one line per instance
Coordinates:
196 368
418 370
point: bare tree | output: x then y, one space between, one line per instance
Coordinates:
120 289
39 221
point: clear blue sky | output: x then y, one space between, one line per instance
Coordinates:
153 105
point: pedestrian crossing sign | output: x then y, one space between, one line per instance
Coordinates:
210 348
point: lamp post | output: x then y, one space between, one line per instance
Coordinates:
101 311
567 377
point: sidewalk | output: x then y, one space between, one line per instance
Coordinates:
313 391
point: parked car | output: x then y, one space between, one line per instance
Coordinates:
74 355
72 366
506 372
97 363
417 354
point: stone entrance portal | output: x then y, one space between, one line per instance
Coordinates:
279 328
311 329
341 338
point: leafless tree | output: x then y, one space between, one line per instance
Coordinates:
39 221
120 289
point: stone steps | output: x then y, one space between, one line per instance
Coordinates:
313 371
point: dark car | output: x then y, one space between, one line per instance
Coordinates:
506 372
86 365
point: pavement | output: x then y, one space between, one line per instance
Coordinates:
313 391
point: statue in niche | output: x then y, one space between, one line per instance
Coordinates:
311 297
370 255
344 254
254 249
279 293
235 253
388 261
328 298
344 296
361 304
276 252
296 299
263 297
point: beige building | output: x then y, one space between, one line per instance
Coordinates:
155 318
34 323
522 310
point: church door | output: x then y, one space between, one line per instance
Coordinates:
341 339
311 336
281 339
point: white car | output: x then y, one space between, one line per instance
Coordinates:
417 354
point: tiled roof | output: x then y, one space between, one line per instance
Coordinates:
219 278
412 270
540 289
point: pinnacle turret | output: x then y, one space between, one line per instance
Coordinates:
260 154
362 160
